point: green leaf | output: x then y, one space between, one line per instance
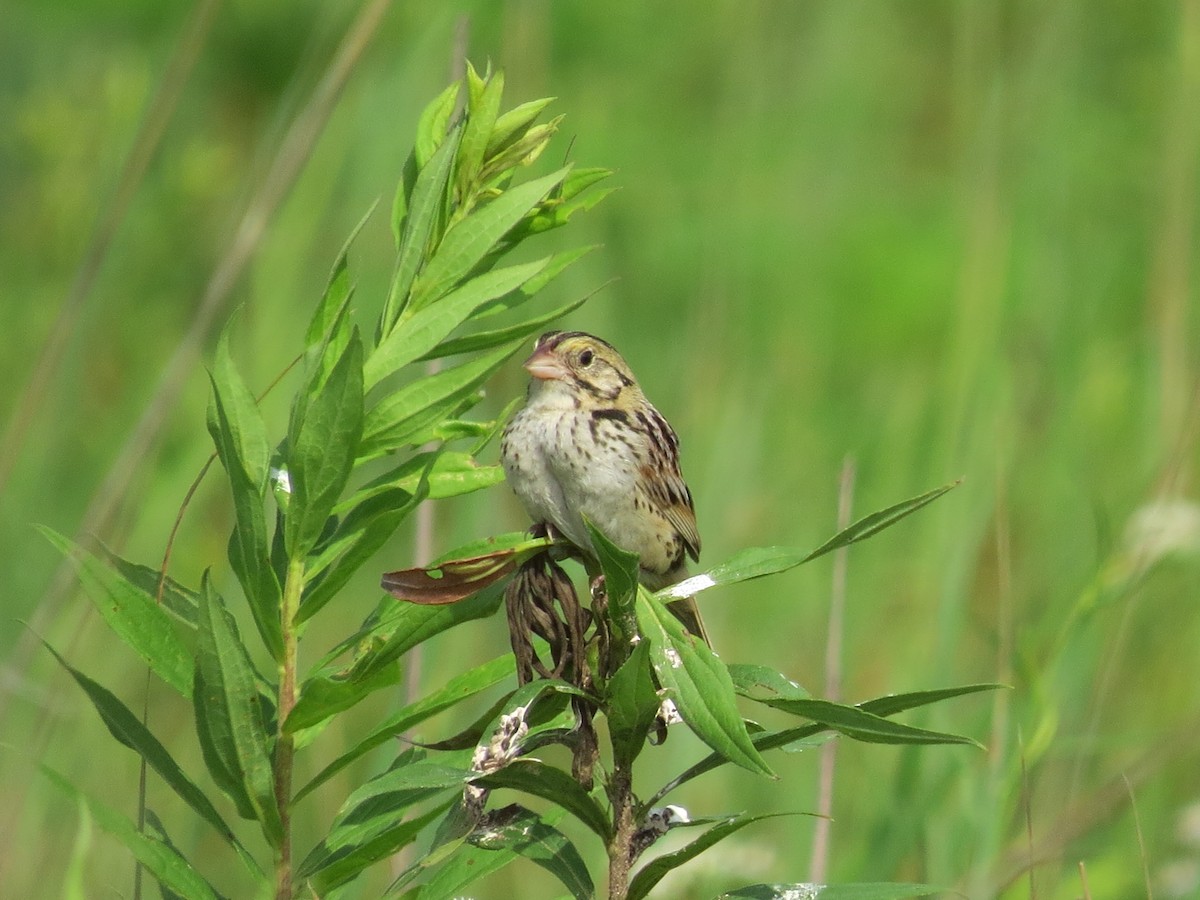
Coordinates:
369 825
133 614
526 833
896 703
523 151
455 691
128 729
357 538
324 436
159 858
432 125
391 833
177 599
486 340
632 704
864 726
232 713
428 198
408 179
469 240
758 561
240 436
407 412
422 332
384 638
337 291
620 568
699 684
541 780
244 443
655 870
322 697
511 125
482 110
865 891
764 684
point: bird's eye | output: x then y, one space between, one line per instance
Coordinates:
585 358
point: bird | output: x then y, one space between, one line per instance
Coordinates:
587 443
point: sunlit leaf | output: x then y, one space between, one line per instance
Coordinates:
482 111
632 704
422 332
428 197
159 858
758 561
459 688
511 125
240 436
128 729
654 871
323 435
469 240
541 780
381 642
808 891
232 714
485 340
133 614
406 413
518 829
699 684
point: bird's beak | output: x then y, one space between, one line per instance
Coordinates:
543 365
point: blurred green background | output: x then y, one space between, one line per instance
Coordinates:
939 239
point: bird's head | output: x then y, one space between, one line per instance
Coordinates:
580 364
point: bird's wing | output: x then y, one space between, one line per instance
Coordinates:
665 485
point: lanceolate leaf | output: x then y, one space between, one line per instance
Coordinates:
518 829
383 640
424 209
408 411
363 532
337 291
863 726
620 568
482 111
454 692
240 437
512 124
132 614
632 704
882 891
469 240
323 437
655 870
177 599
161 859
393 832
699 684
759 561
422 332
896 703
129 730
486 340
232 713
541 780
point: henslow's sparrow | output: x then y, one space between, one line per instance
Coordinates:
589 443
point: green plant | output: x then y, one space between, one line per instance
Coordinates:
310 511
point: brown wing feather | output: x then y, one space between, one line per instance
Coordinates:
664 481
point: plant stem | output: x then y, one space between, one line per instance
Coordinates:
285 747
620 794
